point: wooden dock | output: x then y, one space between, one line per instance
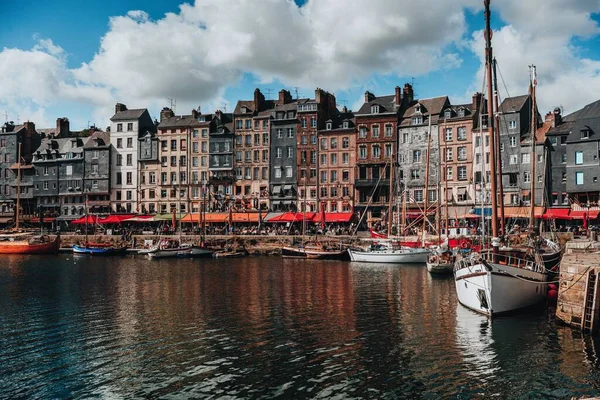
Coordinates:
578 302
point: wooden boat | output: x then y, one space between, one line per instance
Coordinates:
28 243
441 261
314 251
196 252
231 253
99 249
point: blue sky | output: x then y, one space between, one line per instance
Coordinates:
449 67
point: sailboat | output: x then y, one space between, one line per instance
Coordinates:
500 279
389 251
170 248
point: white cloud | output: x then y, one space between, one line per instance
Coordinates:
193 55
541 33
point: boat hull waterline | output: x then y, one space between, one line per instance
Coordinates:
99 251
297 252
25 247
400 256
491 289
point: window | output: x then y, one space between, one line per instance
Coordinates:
195 147
362 132
334 176
462 173
129 159
119 160
288 172
163 177
279 133
334 143
173 161
418 195
388 130
414 174
324 177
526 177
290 132
579 178
477 141
375 131
416 156
462 133
345 143
119 127
313 122
323 159
248 124
130 143
525 158
362 152
405 137
501 147
173 145
462 153
324 144
449 155
345 158
375 109
152 178
334 159
376 151
478 158
119 143
94 183
449 173
579 157
585 134
290 152
94 168
564 158
388 150
513 141
448 134
417 120
278 152
512 124
69 170
3 143
328 126
129 178
119 178
46 185
345 176
163 145
303 122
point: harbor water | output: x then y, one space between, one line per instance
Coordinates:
264 327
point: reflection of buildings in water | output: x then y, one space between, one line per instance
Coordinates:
577 350
474 339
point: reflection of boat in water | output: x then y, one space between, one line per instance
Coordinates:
28 243
379 253
474 339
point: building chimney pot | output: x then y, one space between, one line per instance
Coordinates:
120 107
369 96
398 97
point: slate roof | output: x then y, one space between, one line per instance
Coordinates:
592 124
337 121
386 104
129 114
249 104
431 107
513 104
103 139
591 110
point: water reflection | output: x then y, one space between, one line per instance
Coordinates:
266 327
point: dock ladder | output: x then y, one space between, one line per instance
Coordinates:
589 312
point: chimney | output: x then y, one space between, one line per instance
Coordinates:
344 109
29 126
284 96
120 107
218 114
369 96
166 113
259 99
408 94
62 127
557 117
398 96
319 94
194 113
477 97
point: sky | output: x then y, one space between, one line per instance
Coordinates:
76 59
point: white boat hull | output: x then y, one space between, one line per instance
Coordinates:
501 290
399 256
440 268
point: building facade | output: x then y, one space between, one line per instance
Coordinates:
376 141
283 181
96 173
221 165
70 178
127 126
337 158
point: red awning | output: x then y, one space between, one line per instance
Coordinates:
91 219
115 219
140 218
557 213
334 217
293 217
591 214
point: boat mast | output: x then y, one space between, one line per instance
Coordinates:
17 215
490 108
439 191
426 196
391 191
533 158
304 207
499 162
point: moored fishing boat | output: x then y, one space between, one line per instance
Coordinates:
231 253
442 260
28 243
378 253
196 252
169 248
99 249
315 251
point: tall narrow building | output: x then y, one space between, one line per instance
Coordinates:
221 161
127 126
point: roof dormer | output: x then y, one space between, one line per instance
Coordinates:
375 109
448 113
328 125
